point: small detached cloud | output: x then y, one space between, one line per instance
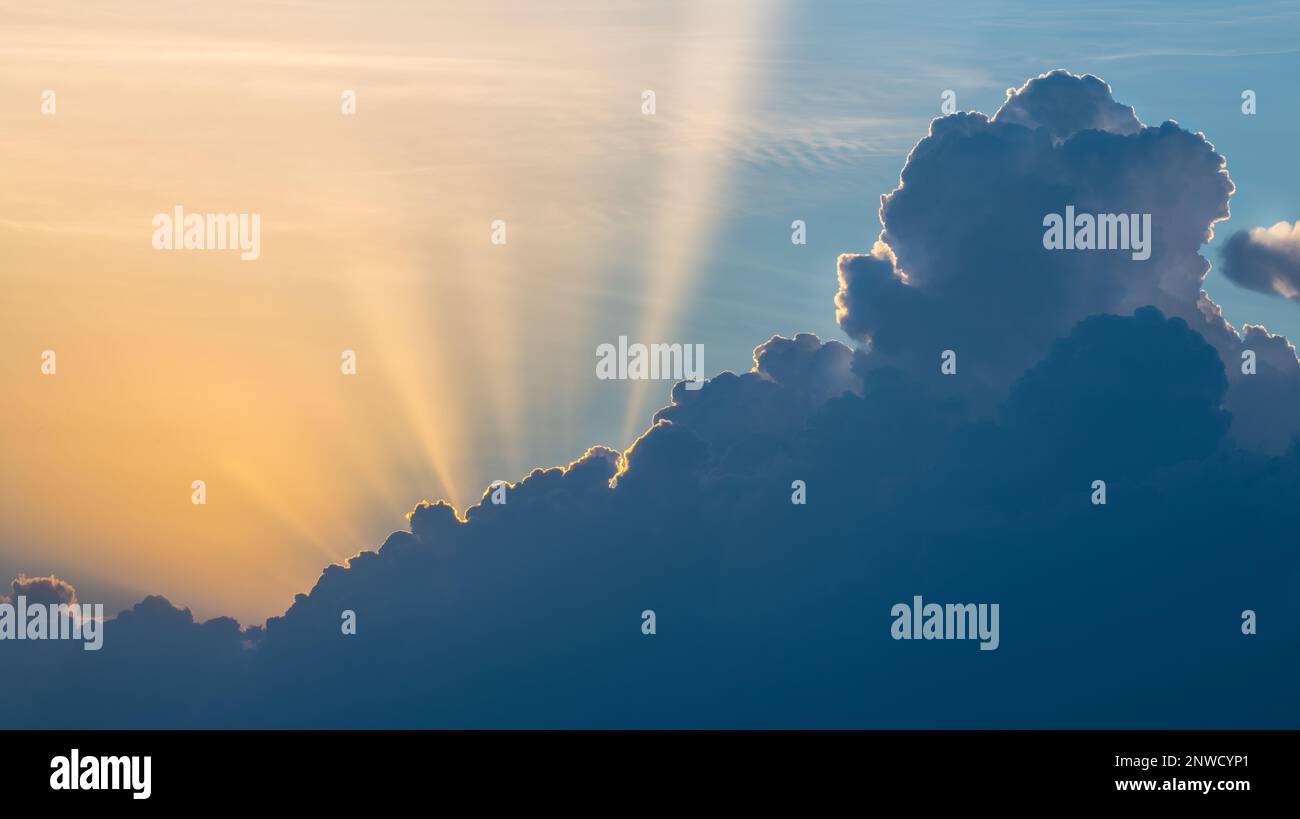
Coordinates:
1266 260
41 591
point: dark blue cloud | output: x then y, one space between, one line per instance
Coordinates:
967 488
41 590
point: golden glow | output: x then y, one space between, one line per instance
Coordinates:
177 366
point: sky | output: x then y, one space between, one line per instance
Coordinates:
475 360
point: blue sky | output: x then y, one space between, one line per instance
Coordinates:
886 65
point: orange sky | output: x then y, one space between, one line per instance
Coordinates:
176 366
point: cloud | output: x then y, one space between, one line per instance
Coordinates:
1066 104
968 488
41 591
960 263
1172 414
156 668
1266 260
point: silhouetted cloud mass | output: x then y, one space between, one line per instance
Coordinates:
974 487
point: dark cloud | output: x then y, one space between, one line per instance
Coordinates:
157 667
967 488
1266 260
1124 426
41 590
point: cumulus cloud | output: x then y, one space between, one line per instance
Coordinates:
960 263
41 591
1266 260
1066 104
971 488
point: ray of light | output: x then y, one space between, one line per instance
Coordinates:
690 183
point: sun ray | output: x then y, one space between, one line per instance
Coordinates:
690 184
